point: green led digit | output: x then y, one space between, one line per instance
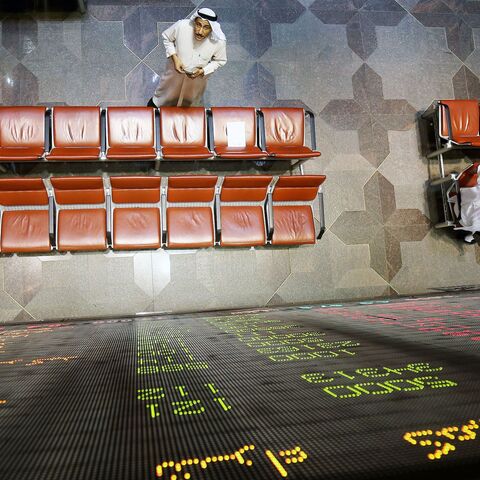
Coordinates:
394 384
434 382
150 393
363 387
371 372
423 367
352 392
185 407
316 378
223 404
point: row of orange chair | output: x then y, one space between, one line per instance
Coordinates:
144 212
143 133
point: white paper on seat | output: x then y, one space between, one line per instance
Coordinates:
236 134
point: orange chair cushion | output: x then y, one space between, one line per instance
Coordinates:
22 127
76 127
464 117
284 126
222 116
186 152
21 153
83 229
189 227
131 153
74 153
135 228
242 226
22 191
25 231
182 126
292 151
248 152
293 225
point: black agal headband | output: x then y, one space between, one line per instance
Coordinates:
207 17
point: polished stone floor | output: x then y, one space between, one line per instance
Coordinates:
367 68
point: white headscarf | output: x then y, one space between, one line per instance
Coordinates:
211 16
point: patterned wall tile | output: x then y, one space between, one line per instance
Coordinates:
466 84
414 63
311 61
437 261
19 35
382 226
20 87
371 114
97 75
140 84
22 278
360 17
456 17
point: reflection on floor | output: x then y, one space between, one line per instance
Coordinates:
377 389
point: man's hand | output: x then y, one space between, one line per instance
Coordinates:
198 72
178 64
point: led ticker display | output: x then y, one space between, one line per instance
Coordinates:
380 381
275 339
423 316
244 457
442 442
296 393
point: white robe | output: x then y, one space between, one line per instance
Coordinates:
176 89
469 209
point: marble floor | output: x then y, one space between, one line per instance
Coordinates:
366 68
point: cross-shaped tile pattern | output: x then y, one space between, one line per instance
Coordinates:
466 84
360 17
382 226
458 17
371 114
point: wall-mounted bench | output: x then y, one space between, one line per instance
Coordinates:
149 212
72 134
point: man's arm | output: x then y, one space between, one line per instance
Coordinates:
169 36
218 60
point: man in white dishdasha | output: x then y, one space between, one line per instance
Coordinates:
196 47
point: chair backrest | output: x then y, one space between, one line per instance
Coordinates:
76 127
464 117
284 126
190 188
135 189
22 191
78 190
22 127
182 126
131 127
297 188
223 116
245 188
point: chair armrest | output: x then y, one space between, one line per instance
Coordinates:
48 131
210 138
163 217
321 212
261 130
156 126
109 213
218 218
103 134
269 215
449 120
313 136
